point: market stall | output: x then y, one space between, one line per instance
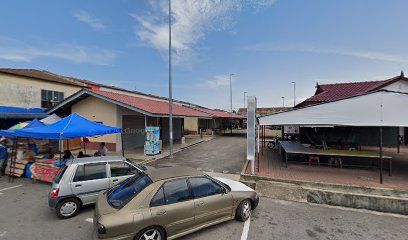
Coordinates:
23 153
70 127
375 109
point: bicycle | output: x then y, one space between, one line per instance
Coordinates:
272 144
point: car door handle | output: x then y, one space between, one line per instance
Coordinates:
162 212
200 204
78 185
115 180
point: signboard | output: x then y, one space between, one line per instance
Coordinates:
44 172
291 129
152 143
251 127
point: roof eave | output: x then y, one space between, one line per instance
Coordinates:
85 91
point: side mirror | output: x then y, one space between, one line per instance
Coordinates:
224 190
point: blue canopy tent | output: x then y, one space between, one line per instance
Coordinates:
70 127
35 124
11 133
73 126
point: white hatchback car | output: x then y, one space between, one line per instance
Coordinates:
80 180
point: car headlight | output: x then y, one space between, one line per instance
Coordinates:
101 229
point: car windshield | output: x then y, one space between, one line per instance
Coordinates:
120 195
138 165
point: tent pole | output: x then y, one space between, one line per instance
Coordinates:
13 155
262 139
381 155
83 142
13 165
123 149
258 145
60 152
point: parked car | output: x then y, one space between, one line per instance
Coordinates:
80 180
168 203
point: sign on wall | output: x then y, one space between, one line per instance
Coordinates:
291 129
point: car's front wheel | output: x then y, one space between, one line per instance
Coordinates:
244 210
152 233
68 208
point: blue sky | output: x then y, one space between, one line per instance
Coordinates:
267 44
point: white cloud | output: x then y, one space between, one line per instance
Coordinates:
191 21
85 17
366 54
19 51
220 81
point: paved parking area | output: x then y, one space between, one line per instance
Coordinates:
224 154
24 214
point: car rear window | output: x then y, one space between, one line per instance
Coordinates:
60 173
120 195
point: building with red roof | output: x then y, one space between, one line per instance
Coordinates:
332 92
133 112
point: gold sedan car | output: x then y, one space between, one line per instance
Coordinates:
167 203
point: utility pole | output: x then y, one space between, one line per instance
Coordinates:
170 92
294 94
283 101
244 99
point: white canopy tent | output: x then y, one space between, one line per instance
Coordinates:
378 109
50 119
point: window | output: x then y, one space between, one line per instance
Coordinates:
124 192
158 199
91 171
176 191
119 169
50 98
202 187
60 173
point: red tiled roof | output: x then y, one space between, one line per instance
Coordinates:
331 92
151 106
218 113
337 91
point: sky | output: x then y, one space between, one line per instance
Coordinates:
266 44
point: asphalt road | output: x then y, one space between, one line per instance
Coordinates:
224 154
24 214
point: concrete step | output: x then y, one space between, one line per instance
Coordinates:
375 199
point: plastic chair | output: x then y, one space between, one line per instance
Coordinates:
314 158
334 161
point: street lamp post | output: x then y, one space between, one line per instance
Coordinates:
294 94
283 101
170 92
230 78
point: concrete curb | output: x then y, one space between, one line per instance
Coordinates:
374 199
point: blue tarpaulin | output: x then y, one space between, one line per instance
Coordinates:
73 126
25 113
11 133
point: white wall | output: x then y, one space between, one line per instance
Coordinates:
400 86
25 92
